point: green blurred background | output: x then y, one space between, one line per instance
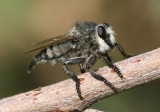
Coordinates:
22 22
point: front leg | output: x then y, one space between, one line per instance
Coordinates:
122 51
91 60
76 60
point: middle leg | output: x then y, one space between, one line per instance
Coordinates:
81 68
91 60
110 64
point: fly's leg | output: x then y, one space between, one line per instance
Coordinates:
76 60
111 65
122 51
75 78
91 60
81 68
109 59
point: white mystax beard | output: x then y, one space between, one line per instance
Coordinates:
103 47
112 37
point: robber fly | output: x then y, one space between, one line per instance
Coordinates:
83 44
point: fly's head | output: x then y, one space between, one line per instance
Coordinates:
104 37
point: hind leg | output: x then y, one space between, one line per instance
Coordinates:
76 60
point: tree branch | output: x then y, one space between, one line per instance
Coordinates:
92 110
62 96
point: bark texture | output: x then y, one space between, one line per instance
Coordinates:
62 96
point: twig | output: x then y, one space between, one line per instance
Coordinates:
62 96
92 110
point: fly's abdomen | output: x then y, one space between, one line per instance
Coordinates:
51 54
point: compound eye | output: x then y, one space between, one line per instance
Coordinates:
101 32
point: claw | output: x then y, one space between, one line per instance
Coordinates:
123 78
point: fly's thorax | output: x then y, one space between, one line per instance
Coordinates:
105 38
82 29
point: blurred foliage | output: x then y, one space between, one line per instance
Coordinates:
22 22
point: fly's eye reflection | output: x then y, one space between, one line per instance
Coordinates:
101 32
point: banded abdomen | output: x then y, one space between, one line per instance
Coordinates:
52 54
